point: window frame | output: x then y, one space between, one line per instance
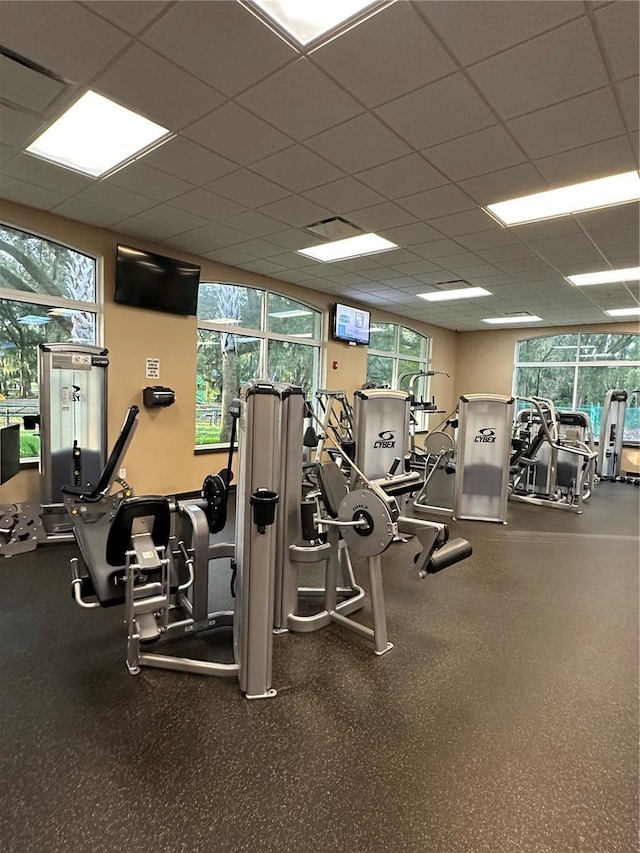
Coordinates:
265 336
397 357
45 300
574 364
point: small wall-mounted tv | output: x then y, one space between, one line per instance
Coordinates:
147 280
351 324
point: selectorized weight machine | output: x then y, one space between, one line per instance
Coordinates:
154 557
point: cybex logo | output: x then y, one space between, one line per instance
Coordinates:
486 436
385 439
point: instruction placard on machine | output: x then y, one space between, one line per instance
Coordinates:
153 368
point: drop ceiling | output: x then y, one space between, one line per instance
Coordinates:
405 125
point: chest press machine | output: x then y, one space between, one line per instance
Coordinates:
154 556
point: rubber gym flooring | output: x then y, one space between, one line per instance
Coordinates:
504 720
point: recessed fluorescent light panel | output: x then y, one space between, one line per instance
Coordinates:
95 135
624 312
523 318
605 277
307 20
459 293
604 192
351 247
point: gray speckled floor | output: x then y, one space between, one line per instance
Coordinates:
504 720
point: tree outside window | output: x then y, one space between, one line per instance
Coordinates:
245 333
575 371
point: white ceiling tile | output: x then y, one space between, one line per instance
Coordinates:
409 235
17 128
6 153
75 208
115 198
438 112
253 223
345 193
157 89
610 217
131 16
227 256
460 259
556 245
545 228
206 204
484 151
395 54
616 253
435 248
47 33
291 260
237 134
507 183
148 181
297 212
300 100
262 267
396 256
226 45
439 202
618 25
630 100
417 267
47 175
404 176
609 157
506 253
380 216
24 86
26 193
343 145
476 30
208 237
247 188
259 248
488 239
521 265
542 71
464 223
137 226
579 121
293 238
170 218
297 169
298 277
189 161
607 237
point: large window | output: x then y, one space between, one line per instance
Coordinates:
396 355
245 333
576 371
47 295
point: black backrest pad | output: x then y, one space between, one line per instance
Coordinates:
333 485
119 539
107 476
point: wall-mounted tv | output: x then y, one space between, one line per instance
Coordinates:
351 324
147 280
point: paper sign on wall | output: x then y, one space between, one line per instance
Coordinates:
153 368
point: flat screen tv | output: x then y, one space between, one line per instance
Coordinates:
147 280
351 324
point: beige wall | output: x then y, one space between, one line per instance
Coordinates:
161 457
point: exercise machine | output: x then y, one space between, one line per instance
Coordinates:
611 435
553 459
467 461
154 556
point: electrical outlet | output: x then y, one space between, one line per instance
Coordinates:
123 473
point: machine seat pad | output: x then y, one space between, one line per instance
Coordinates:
107 580
103 547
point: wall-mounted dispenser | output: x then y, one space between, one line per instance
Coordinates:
157 395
